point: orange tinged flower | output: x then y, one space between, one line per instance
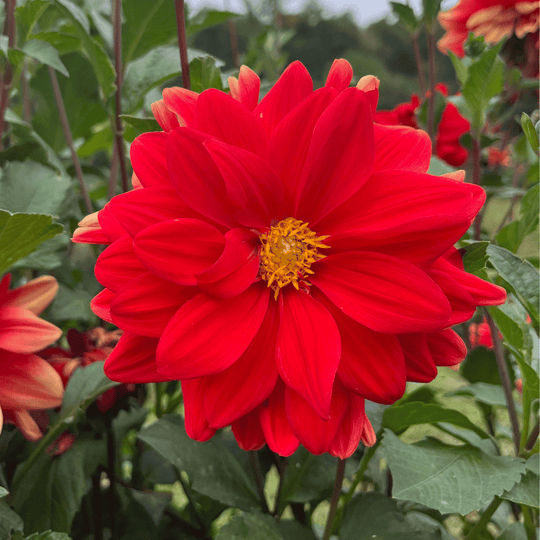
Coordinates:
27 382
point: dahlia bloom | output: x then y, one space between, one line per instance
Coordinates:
451 127
282 259
495 20
94 345
27 382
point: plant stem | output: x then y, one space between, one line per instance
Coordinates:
111 462
476 180
432 76
528 522
366 458
484 520
159 394
505 378
257 473
119 128
531 441
418 59
182 41
27 105
191 500
234 43
114 173
9 30
96 510
335 498
282 466
69 139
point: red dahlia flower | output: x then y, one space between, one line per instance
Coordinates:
275 255
495 20
451 127
27 382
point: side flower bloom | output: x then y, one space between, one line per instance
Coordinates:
274 254
27 382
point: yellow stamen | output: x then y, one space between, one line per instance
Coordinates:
287 251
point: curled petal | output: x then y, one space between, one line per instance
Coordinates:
101 304
26 424
446 347
248 432
164 116
340 75
246 88
35 295
89 231
181 102
370 85
418 359
350 429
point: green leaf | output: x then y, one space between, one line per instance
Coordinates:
438 167
52 493
213 470
150 70
48 535
63 43
20 234
9 521
490 394
400 417
49 255
484 81
307 477
521 275
27 16
147 25
406 16
204 74
373 515
31 187
516 531
461 69
526 491
249 526
480 366
206 18
72 305
4 44
530 132
95 53
510 330
3 492
142 125
84 386
41 51
475 257
448 478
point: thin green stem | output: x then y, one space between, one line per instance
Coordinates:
528 522
282 466
476 180
191 500
259 482
366 458
111 466
484 519
533 437
159 398
335 499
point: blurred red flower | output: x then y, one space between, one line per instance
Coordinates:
273 254
27 382
495 20
94 345
451 127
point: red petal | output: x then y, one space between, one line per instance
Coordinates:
350 429
253 189
249 381
237 267
290 90
340 75
133 360
178 249
370 86
101 304
164 116
28 382
246 89
248 432
23 332
382 292
89 231
140 208
369 438
195 422
182 102
118 265
446 347
35 295
420 365
290 142
147 304
208 335
196 177
340 156
221 116
110 225
371 364
148 159
308 349
400 147
25 422
312 431
275 425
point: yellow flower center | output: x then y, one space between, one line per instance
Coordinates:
287 252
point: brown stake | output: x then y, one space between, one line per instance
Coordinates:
182 41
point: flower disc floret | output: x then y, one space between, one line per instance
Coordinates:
287 252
